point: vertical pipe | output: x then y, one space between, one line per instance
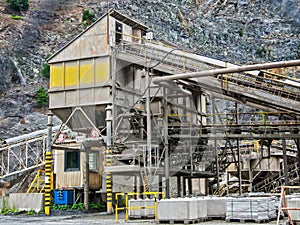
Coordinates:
149 138
178 186
108 154
167 159
160 184
215 145
190 185
107 5
298 155
48 165
86 188
134 184
184 186
285 164
238 152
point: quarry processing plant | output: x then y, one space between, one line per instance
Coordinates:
140 113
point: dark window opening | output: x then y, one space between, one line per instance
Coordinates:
72 160
119 31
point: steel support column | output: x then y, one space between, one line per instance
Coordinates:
48 165
108 154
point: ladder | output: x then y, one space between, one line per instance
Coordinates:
38 183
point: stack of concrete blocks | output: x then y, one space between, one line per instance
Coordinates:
142 212
216 207
253 209
294 203
273 207
177 209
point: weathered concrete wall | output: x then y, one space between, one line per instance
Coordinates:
23 201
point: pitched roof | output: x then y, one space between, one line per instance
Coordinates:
114 13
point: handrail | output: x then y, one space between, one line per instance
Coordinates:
154 194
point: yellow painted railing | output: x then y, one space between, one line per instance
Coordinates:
38 183
155 195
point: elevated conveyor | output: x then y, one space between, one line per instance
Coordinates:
277 93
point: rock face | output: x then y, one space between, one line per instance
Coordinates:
239 31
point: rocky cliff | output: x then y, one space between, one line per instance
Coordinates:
239 31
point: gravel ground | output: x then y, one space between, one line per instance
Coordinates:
89 219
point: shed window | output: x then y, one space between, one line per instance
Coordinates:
93 161
119 31
72 161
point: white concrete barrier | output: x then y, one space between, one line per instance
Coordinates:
24 201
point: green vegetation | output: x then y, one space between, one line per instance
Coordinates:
88 17
79 206
45 70
16 17
19 5
261 52
30 212
241 32
42 97
5 210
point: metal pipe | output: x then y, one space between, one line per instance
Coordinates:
149 130
167 160
236 69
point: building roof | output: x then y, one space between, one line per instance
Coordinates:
113 13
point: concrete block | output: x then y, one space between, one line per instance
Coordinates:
23 201
134 213
201 208
216 207
294 203
178 209
255 208
139 213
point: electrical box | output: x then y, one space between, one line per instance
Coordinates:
63 197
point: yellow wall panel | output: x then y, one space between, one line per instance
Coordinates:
57 75
86 73
71 74
102 70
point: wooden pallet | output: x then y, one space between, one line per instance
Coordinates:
248 220
187 221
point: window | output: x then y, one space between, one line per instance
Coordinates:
94 161
119 30
72 160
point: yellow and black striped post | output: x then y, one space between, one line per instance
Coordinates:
108 158
108 181
48 166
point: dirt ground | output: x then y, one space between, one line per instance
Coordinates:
93 218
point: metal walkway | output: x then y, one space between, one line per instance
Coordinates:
23 153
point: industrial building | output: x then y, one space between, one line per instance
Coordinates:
142 113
